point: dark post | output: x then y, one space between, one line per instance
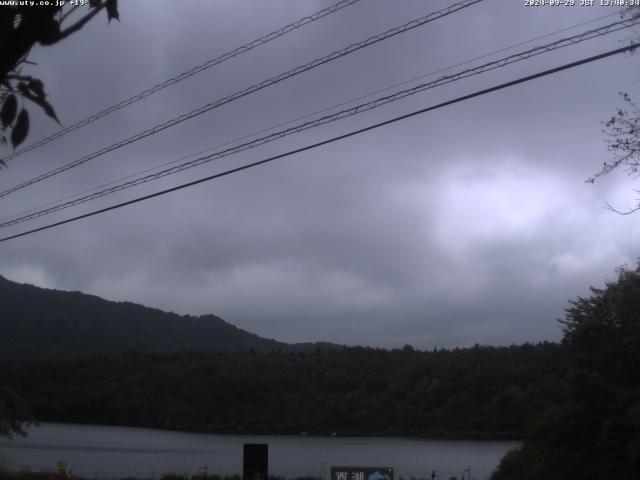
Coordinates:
255 464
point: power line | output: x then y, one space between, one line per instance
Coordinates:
336 116
333 139
308 115
589 34
254 88
184 75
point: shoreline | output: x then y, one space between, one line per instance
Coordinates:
468 436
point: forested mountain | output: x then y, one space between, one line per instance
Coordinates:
39 323
480 391
78 358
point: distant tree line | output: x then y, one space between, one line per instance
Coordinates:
475 392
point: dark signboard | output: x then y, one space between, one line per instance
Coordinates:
361 473
255 461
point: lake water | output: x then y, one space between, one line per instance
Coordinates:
111 452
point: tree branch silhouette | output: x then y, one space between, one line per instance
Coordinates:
22 28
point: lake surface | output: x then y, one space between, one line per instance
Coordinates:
111 452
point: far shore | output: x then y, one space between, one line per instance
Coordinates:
470 436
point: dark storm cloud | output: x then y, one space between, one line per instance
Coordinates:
469 224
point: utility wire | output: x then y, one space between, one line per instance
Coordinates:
308 115
254 88
589 34
184 75
333 139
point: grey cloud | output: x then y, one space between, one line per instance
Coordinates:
469 224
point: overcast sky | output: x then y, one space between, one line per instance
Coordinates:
469 224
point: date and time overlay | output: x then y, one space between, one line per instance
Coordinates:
527 3
582 3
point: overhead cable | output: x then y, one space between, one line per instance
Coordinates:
597 32
184 75
247 91
305 116
330 140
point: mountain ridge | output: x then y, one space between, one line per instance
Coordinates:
40 323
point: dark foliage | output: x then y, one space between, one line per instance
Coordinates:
21 28
15 415
480 391
596 433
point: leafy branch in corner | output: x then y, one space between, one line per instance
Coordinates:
21 28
